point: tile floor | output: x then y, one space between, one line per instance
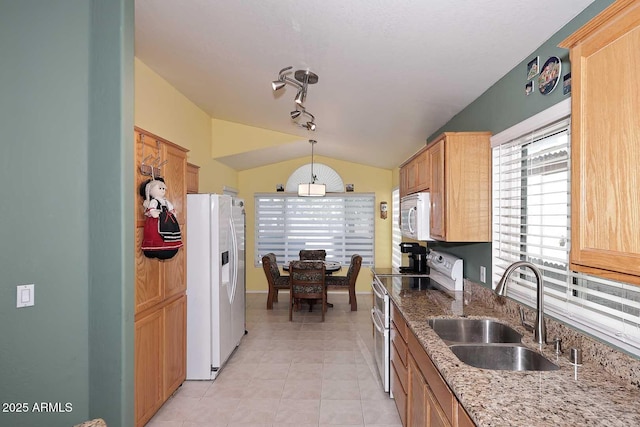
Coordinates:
302 373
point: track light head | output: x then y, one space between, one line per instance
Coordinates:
301 96
295 114
277 84
311 126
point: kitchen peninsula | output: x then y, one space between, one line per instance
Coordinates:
605 392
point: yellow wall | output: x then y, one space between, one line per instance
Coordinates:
246 138
366 179
162 110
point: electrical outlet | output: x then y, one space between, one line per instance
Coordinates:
483 274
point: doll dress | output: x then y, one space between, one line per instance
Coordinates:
161 236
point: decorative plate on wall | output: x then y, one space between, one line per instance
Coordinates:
325 174
549 75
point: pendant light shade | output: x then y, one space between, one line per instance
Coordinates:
312 189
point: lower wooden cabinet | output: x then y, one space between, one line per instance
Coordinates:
399 354
175 349
160 356
148 363
422 396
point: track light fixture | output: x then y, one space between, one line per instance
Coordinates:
303 78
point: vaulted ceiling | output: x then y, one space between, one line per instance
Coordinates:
391 72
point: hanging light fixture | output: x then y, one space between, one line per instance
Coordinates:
312 189
303 78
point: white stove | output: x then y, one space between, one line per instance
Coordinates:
445 274
446 269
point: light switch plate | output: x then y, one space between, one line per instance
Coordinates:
483 274
25 296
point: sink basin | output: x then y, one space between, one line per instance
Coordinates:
461 330
503 357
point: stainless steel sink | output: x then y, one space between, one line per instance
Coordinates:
505 357
462 330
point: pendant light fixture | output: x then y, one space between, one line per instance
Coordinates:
312 189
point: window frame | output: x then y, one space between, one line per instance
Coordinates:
601 308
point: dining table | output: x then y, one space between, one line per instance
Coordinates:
329 266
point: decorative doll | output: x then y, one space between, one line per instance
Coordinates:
161 238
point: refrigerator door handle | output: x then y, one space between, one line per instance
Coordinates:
234 261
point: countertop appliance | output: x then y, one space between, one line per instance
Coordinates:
415 216
445 274
215 282
417 257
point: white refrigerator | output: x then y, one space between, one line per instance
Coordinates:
215 282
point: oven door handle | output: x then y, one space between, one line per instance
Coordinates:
376 323
374 288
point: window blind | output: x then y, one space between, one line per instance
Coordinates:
342 225
531 221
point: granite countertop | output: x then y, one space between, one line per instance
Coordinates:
508 398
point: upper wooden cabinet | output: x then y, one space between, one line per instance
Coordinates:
193 180
414 174
460 186
605 144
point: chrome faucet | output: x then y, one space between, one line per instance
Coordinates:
539 329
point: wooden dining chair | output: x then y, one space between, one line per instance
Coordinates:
307 282
347 282
275 280
313 254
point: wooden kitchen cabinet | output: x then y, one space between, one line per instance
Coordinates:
414 174
193 178
460 187
160 285
605 144
399 363
423 398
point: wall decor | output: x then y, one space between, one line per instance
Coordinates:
549 75
566 84
533 67
528 88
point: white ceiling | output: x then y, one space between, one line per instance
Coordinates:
391 72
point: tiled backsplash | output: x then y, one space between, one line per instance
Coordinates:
615 362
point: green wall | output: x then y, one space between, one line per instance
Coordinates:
65 161
504 105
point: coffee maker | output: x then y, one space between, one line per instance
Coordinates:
417 258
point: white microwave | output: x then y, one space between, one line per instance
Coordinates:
414 216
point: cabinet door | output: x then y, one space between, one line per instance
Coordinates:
605 144
404 184
193 180
148 366
175 271
149 277
175 176
417 405
175 348
437 418
423 175
399 394
438 206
